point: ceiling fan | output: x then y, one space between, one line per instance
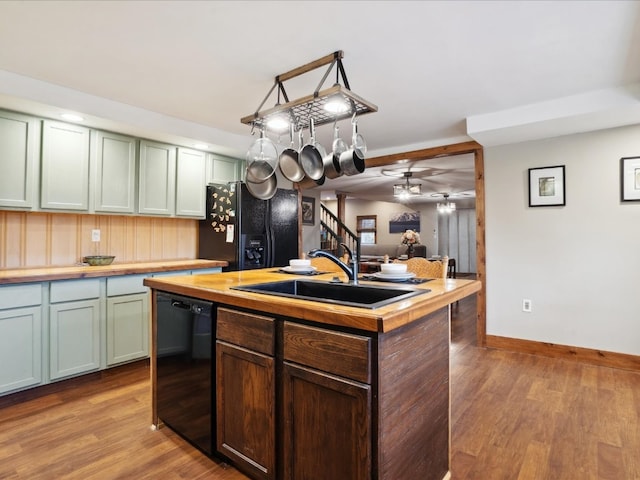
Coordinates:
418 172
446 195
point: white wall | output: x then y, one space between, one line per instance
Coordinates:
579 264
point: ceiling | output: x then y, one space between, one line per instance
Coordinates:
439 71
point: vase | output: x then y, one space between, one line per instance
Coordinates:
410 250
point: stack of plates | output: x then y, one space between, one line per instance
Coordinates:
394 277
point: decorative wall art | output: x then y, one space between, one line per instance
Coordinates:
546 186
308 210
630 179
403 221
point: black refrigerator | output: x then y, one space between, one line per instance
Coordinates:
248 232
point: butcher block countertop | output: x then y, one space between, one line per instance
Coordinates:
25 275
217 288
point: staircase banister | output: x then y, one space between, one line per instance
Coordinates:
338 221
352 239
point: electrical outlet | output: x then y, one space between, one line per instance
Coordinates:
526 305
95 235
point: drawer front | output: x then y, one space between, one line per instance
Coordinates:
255 332
69 290
126 285
16 296
339 353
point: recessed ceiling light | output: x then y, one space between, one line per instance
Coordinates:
72 117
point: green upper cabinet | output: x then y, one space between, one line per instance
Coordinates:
191 183
46 165
65 166
115 173
223 169
19 135
157 179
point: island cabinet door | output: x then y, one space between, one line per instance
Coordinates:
327 433
326 403
246 392
246 409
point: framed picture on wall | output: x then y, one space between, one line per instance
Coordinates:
402 221
308 210
546 186
630 179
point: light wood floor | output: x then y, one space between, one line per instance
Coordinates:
513 417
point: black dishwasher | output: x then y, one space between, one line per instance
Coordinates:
185 367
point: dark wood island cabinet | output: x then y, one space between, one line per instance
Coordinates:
245 394
306 390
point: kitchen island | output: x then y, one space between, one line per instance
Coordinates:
309 389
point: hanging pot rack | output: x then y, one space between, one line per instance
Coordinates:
299 112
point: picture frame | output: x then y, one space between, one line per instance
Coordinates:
308 211
400 222
630 179
547 186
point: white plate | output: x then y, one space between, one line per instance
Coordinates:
290 269
394 276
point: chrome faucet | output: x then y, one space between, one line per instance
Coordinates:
351 271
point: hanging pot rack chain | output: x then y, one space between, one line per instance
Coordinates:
301 110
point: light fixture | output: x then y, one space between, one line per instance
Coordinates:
278 123
336 105
407 189
324 106
446 207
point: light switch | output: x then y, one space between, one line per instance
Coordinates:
95 235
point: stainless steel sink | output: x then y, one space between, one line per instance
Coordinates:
363 296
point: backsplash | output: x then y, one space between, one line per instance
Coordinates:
30 239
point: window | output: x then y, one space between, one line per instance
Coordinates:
367 229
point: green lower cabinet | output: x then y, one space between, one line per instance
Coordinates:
127 328
74 338
20 348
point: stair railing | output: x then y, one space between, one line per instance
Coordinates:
334 232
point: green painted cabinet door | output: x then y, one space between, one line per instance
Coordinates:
74 345
223 169
65 166
19 141
20 348
127 328
115 174
157 179
191 183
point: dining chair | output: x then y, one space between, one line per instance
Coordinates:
427 268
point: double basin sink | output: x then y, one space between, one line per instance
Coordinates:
363 296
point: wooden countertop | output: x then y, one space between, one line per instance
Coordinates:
25 275
217 288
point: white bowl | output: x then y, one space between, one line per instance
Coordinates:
299 264
393 268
